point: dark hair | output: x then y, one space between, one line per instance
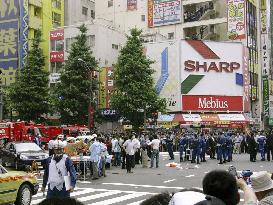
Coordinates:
158 199
223 185
155 136
58 201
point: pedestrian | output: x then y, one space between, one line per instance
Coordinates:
269 146
57 168
203 147
104 155
116 149
155 143
237 144
137 150
229 148
261 143
252 147
50 145
143 150
129 147
211 146
169 143
196 149
182 144
221 148
95 157
37 139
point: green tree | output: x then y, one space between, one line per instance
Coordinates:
73 93
29 95
134 95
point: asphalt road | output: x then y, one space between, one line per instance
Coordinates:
121 188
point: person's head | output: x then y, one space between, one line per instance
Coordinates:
155 136
223 185
262 184
58 148
158 199
58 201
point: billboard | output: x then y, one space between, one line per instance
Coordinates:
106 87
57 35
131 5
236 19
9 34
211 76
56 56
164 12
166 76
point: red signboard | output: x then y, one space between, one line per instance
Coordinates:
212 103
57 35
56 56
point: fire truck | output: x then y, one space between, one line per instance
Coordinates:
75 130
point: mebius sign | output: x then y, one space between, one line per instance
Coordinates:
212 76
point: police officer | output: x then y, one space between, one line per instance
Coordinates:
169 143
261 140
229 148
182 144
196 149
221 148
203 147
211 146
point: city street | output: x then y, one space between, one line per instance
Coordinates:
130 189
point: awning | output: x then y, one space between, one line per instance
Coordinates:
205 119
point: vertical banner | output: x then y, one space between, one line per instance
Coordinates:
23 32
266 97
9 14
236 19
131 5
164 12
246 81
102 89
109 85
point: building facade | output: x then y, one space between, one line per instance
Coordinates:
79 11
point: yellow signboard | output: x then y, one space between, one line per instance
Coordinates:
102 90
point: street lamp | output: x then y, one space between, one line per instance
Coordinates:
90 108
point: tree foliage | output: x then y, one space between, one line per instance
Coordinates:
73 93
29 95
134 85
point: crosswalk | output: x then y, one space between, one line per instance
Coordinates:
91 196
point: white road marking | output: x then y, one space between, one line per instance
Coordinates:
189 176
97 196
168 181
136 203
119 199
143 185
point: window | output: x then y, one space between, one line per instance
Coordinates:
84 11
110 3
142 17
37 11
114 46
92 14
53 46
57 4
68 43
91 41
56 19
56 67
171 35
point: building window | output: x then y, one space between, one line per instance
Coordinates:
56 19
114 46
56 67
91 40
84 11
110 3
92 14
142 17
37 11
57 4
171 35
68 43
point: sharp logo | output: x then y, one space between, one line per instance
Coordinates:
208 66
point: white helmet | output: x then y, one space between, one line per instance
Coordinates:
58 144
94 136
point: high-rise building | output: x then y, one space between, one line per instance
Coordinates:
19 21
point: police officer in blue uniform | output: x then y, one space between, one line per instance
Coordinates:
203 147
221 148
196 149
169 143
261 143
229 148
182 144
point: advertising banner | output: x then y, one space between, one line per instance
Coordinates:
131 5
102 89
109 85
9 37
266 97
106 87
57 35
212 103
164 12
246 80
264 22
167 72
236 19
57 56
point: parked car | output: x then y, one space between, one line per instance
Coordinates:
22 154
17 187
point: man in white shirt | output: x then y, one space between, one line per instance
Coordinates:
129 147
136 157
155 143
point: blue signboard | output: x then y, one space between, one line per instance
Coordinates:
9 36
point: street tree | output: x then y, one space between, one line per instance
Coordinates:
134 93
75 93
29 95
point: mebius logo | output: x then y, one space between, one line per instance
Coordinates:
207 53
207 103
